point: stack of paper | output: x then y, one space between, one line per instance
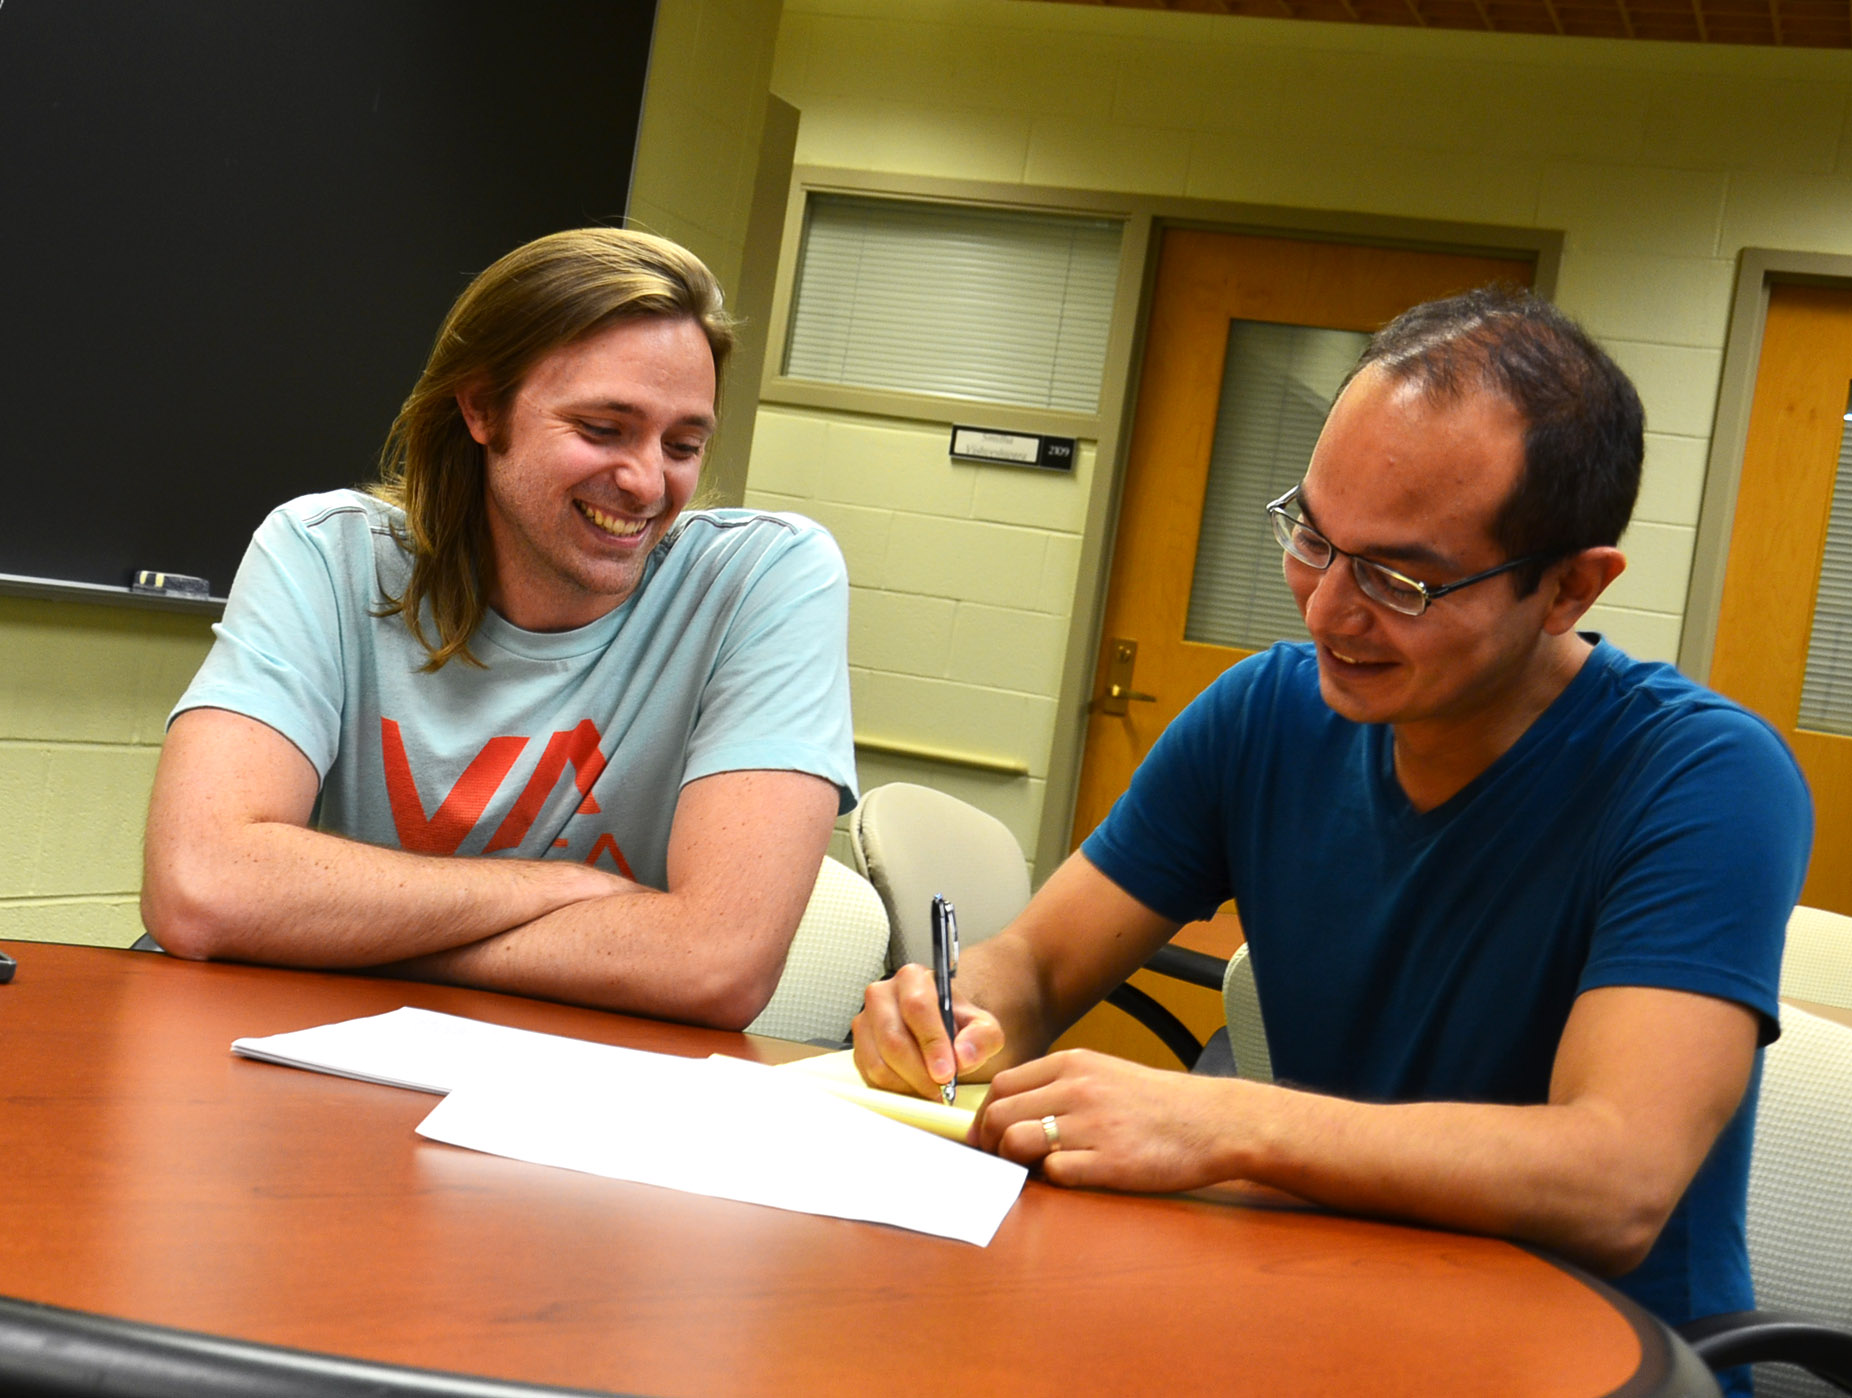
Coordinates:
716 1126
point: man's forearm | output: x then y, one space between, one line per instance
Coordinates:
1033 976
743 859
1561 1176
1643 1082
639 951
279 893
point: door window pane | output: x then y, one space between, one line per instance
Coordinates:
1826 687
1277 385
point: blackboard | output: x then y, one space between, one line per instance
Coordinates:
229 229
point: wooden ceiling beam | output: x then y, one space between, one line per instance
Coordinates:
1798 26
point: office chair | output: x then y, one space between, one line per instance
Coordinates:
913 841
1817 964
1247 1035
1800 1221
840 946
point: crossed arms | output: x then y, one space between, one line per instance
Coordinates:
1643 1082
232 871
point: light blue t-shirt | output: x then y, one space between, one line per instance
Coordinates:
730 655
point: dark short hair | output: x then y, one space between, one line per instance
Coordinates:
1584 429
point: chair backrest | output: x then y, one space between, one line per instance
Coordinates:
1247 1036
840 946
1817 964
1800 1185
912 842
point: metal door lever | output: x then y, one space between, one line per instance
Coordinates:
1119 691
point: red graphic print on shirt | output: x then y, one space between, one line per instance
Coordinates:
460 810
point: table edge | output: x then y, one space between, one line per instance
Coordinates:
54 1350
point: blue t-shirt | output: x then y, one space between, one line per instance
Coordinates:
730 655
1643 831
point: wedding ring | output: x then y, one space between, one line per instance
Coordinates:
1051 1132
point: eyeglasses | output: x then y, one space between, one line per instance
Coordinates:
1377 581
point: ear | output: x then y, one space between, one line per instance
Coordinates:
1579 580
473 402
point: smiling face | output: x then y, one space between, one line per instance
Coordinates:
1416 485
598 453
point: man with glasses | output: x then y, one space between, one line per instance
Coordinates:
1514 901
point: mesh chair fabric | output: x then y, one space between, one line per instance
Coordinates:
1247 1035
1817 964
1800 1186
840 946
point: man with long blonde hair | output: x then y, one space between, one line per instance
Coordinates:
515 717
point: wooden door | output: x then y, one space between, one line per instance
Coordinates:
1777 545
1206 282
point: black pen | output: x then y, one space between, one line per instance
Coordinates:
944 967
7 967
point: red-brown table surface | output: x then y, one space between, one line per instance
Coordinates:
151 1175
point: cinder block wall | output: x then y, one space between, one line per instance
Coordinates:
961 587
1659 162
84 695
85 690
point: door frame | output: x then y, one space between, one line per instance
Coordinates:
1757 270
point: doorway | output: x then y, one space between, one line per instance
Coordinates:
1783 645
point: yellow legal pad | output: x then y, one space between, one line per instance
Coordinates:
837 1072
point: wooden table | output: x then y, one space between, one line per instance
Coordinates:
151 1175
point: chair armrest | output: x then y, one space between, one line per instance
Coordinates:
1159 1020
1193 967
1772 1337
1196 967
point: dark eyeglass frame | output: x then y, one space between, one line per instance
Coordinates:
1367 572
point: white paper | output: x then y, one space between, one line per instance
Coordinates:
735 1130
720 1127
426 1051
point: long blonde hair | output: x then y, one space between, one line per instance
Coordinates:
543 295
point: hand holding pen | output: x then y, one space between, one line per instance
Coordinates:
944 967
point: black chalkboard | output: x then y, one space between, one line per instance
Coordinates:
229 229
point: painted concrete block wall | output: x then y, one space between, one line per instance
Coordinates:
698 145
962 583
1658 162
84 695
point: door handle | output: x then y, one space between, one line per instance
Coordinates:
1119 692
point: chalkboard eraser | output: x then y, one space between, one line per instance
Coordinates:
169 585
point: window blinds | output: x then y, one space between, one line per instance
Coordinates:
1826 684
1278 383
994 306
